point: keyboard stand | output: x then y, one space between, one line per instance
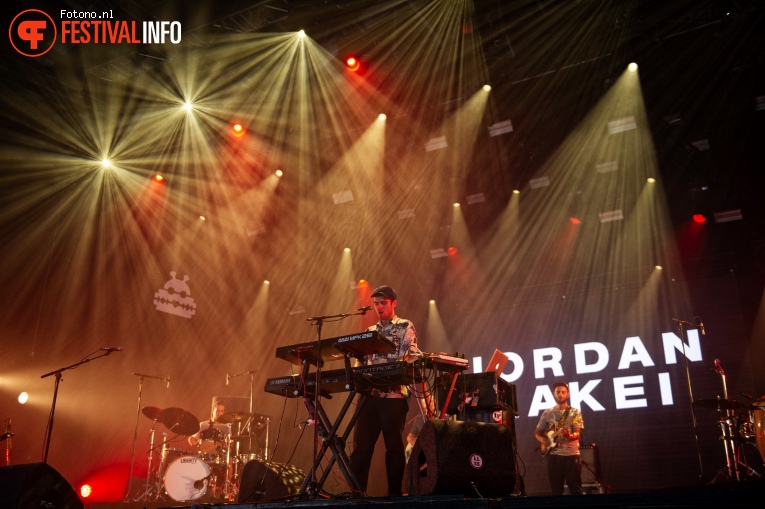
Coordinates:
332 440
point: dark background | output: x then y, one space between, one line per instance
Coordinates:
85 250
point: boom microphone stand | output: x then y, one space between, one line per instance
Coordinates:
680 324
57 373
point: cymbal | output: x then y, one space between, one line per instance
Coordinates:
152 412
719 404
229 417
179 421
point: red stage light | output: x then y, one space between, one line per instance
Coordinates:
452 251
238 130
86 490
159 179
574 220
699 218
362 282
352 64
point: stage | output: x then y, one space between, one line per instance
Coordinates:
741 494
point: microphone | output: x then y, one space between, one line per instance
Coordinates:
227 377
701 326
364 309
110 349
168 382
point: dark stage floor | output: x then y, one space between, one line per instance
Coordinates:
743 494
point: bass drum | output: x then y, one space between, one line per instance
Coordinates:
186 478
759 427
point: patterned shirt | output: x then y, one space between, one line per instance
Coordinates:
401 333
550 418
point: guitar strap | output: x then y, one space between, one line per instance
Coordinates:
563 418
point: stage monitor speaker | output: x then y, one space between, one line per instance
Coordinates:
470 458
264 482
590 459
35 486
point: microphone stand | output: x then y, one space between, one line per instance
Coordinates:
679 324
319 322
129 487
57 373
247 426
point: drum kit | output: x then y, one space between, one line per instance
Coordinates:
740 425
211 472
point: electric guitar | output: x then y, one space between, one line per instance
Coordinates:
552 435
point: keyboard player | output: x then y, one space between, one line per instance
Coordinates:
385 410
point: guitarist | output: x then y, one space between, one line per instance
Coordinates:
558 435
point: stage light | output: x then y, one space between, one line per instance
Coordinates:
574 220
202 218
658 267
436 143
187 106
539 182
487 88
266 282
105 163
279 173
503 127
611 215
438 252
651 180
362 282
516 191
159 179
606 167
23 397
456 205
406 213
86 490
347 250
352 64
238 130
632 67
451 251
621 124
301 34
432 301
382 116
728 215
699 218
472 199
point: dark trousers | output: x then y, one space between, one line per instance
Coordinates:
386 415
564 468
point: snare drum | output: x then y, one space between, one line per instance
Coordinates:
211 440
186 478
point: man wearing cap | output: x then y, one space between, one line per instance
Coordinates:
385 410
558 435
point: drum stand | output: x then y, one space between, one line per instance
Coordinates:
731 443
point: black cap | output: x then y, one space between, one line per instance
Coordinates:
555 385
384 291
